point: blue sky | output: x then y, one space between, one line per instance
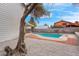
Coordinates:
59 11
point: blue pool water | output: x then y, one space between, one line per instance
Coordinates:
51 35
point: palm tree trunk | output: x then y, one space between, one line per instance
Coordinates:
32 29
21 45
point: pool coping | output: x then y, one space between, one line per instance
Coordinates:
69 41
49 38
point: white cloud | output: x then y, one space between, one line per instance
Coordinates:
58 4
68 11
73 17
70 18
61 4
44 17
75 13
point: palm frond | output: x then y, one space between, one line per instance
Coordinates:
39 11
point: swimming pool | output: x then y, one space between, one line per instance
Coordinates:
51 35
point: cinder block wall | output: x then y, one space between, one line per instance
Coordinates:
10 14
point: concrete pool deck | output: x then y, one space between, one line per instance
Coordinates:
37 47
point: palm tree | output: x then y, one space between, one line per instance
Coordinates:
48 27
32 24
45 24
36 10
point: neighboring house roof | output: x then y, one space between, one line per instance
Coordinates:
63 23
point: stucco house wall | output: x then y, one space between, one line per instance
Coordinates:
10 15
